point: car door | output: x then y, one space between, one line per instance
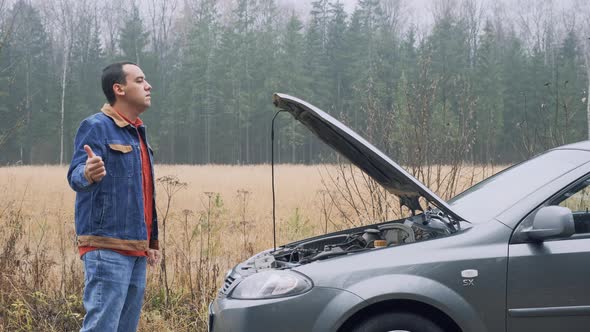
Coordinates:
548 285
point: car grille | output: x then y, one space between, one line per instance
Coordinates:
229 281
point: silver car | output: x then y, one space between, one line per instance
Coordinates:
511 253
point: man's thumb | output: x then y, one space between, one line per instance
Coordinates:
88 151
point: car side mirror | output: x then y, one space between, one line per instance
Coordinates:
551 222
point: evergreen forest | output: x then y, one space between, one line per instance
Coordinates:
484 82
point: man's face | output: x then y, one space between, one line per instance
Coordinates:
137 89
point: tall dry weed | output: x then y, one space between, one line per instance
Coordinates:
211 218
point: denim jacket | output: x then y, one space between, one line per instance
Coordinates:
110 213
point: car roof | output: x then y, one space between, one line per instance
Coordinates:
583 145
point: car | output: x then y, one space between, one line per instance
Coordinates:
511 253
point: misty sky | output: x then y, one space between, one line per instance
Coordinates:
419 13
422 6
304 6
416 11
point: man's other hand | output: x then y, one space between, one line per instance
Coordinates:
154 257
94 170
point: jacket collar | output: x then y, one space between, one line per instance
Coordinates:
111 113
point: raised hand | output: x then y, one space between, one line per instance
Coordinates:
94 170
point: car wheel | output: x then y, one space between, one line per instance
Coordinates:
397 322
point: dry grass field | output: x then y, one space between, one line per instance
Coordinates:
218 215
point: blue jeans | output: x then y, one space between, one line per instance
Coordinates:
113 290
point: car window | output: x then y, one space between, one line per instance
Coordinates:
495 194
577 199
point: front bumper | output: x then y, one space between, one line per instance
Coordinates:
320 309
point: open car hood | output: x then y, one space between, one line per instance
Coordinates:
364 155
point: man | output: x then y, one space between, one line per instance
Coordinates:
116 222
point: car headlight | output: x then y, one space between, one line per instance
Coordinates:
271 284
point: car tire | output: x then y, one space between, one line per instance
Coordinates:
399 321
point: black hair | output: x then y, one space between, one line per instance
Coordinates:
112 74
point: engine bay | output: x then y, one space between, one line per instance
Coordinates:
335 245
430 224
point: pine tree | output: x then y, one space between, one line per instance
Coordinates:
571 85
264 77
316 54
338 60
293 81
203 94
518 123
490 102
226 72
28 64
243 82
133 38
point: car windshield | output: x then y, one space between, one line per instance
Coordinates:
495 194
